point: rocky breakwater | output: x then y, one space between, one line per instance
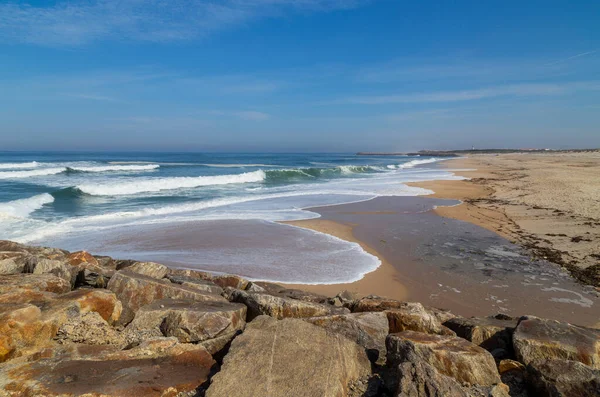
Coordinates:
74 324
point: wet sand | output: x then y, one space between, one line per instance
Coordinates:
548 203
452 264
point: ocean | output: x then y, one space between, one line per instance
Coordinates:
119 204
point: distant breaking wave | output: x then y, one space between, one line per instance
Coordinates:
23 207
412 163
108 168
159 184
12 166
29 174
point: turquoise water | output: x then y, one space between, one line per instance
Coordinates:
52 198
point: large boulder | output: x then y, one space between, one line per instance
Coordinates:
420 379
150 269
23 328
290 357
278 290
412 316
196 283
188 321
540 339
160 367
492 333
59 268
230 280
12 262
35 282
90 271
89 328
369 330
101 301
566 378
374 303
281 307
135 290
450 355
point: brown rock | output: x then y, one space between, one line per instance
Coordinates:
188 273
36 282
369 330
150 269
281 307
22 295
413 316
22 328
289 357
514 375
188 321
450 355
58 268
91 329
104 302
135 290
492 333
82 257
566 378
541 339
156 368
15 262
373 303
197 283
90 272
230 280
419 379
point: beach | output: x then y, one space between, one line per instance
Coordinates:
541 203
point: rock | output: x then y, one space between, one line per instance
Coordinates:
90 329
103 302
150 269
566 378
414 317
514 375
188 321
56 267
188 273
280 307
450 355
22 295
49 253
492 333
278 290
419 379
135 290
15 262
90 272
254 287
196 283
289 357
373 303
22 328
160 367
344 298
541 339
230 280
36 282
369 330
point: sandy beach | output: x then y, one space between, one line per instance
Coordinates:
544 204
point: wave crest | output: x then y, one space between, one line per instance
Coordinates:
23 207
109 168
32 173
12 166
159 184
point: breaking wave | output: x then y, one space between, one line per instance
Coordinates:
12 166
32 173
109 168
23 207
159 184
412 163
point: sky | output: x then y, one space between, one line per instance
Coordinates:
298 75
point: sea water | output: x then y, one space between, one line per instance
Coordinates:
102 201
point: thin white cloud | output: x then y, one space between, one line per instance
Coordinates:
534 89
76 23
572 57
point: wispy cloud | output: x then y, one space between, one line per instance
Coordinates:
76 23
535 89
572 57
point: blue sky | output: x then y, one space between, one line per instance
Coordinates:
298 75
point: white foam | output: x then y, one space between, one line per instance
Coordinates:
136 186
412 163
23 207
240 165
12 166
108 168
32 173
